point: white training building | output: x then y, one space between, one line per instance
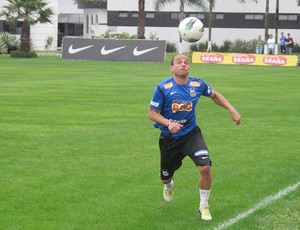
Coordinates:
231 20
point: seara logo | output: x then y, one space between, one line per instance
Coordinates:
243 59
212 57
274 60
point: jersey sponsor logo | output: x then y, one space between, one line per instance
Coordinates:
182 107
168 85
155 104
195 83
109 51
183 121
77 50
141 52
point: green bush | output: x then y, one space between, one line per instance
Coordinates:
215 47
109 34
23 54
226 46
296 48
250 46
3 47
171 47
8 42
200 47
238 46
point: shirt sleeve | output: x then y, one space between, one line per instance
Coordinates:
157 99
207 90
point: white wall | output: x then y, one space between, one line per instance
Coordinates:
93 25
40 32
286 6
68 7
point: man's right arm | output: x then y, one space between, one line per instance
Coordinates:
155 116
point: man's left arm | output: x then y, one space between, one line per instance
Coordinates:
219 99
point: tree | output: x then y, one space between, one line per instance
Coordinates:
276 26
210 17
161 3
141 20
266 25
30 12
210 14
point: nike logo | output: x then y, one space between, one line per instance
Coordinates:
204 158
109 51
173 93
76 50
140 52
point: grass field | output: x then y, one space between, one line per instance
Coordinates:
77 150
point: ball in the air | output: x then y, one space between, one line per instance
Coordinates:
191 29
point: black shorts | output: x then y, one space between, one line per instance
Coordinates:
173 151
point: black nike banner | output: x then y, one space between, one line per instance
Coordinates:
113 50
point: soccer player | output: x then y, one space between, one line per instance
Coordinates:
172 108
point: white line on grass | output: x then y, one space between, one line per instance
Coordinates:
263 203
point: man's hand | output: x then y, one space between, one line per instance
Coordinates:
175 127
236 117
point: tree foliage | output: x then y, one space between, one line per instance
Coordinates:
8 42
30 12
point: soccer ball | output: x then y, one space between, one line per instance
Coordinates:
191 29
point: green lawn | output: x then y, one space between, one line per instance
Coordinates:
77 150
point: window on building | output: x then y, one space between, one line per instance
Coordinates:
150 15
219 16
254 16
135 15
123 14
87 24
292 17
97 20
12 28
197 15
176 15
288 17
92 19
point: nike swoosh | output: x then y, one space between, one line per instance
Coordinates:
76 50
204 158
140 52
109 51
173 93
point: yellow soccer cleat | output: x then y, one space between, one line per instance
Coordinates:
205 213
168 194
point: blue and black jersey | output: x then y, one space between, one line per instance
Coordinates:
178 102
